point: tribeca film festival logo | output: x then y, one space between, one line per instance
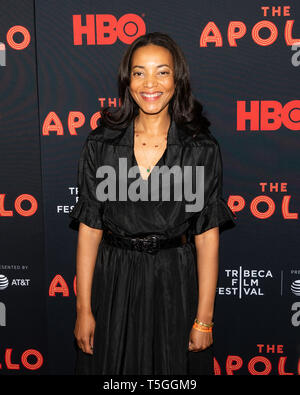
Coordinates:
138 189
244 282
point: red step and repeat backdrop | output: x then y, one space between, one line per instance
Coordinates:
58 68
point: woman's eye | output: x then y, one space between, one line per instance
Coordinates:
138 73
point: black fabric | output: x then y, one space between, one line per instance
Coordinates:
144 305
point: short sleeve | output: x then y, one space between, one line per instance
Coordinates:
88 208
215 211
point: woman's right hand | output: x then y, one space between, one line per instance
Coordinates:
84 331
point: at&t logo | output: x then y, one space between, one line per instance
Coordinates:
295 287
3 282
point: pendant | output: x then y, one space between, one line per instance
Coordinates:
148 169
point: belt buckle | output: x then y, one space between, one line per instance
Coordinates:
155 244
149 244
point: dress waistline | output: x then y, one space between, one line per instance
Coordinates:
151 243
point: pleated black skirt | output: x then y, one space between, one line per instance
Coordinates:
144 306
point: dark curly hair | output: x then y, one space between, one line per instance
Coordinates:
185 109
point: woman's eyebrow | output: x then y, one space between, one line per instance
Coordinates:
160 65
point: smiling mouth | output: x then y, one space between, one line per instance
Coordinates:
151 96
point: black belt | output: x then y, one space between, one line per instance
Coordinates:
150 243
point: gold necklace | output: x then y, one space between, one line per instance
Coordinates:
154 146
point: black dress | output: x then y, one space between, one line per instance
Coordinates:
145 304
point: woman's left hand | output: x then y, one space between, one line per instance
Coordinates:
199 341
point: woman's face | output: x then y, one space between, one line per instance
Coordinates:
152 72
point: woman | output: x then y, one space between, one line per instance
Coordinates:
147 270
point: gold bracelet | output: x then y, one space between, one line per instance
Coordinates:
203 324
201 329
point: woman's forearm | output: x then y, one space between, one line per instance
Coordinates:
87 250
207 246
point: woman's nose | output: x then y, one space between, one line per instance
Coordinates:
150 81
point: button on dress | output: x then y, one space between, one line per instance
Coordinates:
145 304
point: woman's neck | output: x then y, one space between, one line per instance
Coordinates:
152 125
